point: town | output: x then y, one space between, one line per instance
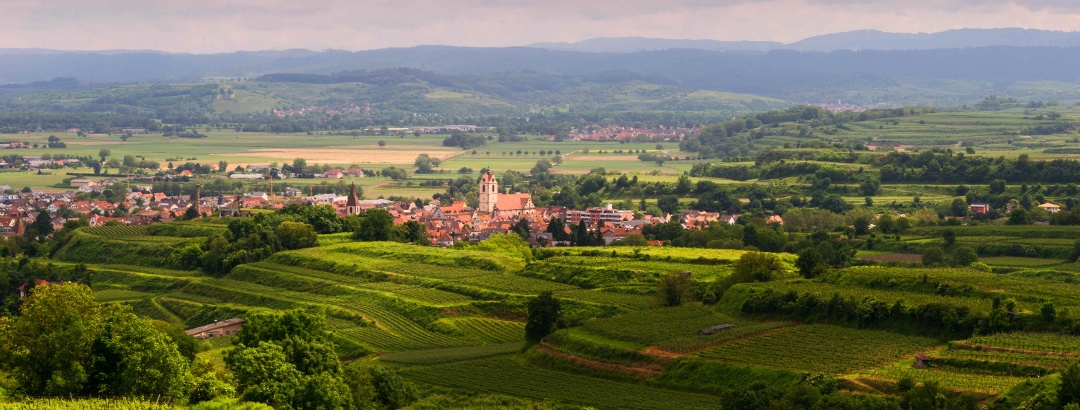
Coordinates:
446 224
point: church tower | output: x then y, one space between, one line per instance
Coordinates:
352 205
489 193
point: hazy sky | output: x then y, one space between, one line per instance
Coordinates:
226 25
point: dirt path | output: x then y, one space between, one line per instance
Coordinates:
648 370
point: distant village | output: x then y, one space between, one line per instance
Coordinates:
446 223
626 133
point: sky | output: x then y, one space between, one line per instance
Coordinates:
206 26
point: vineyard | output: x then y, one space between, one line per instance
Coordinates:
454 318
819 349
505 376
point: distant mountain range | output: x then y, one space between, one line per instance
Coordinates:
851 40
866 67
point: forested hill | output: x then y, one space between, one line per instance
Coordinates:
869 77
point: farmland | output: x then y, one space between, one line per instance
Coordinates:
453 318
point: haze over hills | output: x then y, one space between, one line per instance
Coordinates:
851 40
953 67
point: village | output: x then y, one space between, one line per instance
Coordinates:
446 223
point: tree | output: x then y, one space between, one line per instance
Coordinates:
133 358
758 267
425 164
298 165
375 226
192 212
557 229
959 207
997 187
949 236
287 360
674 289
870 186
521 228
49 345
668 204
42 226
411 232
810 263
543 316
1048 312
634 239
1069 391
683 185
65 343
1019 216
382 143
103 153
933 256
296 235
751 267
965 256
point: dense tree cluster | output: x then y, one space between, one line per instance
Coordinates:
65 343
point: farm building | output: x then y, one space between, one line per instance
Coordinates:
980 208
84 183
922 360
227 327
1051 208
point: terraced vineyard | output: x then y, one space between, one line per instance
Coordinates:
1037 342
505 376
820 349
117 231
949 379
490 330
665 324
452 354
454 319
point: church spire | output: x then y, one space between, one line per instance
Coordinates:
352 204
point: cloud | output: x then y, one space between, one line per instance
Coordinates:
227 25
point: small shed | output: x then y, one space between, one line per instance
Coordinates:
227 327
715 329
922 360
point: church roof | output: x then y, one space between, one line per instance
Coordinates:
513 202
487 177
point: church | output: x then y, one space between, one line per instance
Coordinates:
496 204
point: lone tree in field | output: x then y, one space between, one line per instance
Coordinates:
544 317
810 263
674 289
104 153
949 237
933 256
382 143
